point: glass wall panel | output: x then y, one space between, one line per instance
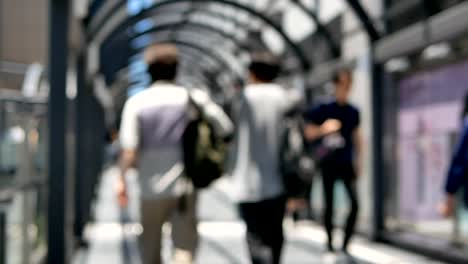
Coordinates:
427 116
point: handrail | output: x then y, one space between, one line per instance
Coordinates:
7 193
17 96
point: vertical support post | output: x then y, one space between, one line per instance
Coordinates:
377 120
58 239
81 143
3 235
377 150
365 19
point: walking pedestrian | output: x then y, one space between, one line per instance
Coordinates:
336 125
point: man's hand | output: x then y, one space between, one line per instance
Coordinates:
447 208
313 132
122 193
295 204
330 126
127 160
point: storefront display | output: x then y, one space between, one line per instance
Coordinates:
428 119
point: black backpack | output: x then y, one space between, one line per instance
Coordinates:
204 153
296 166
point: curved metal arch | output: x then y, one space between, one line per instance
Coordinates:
213 62
192 58
197 11
204 50
195 57
184 23
187 27
200 75
221 61
184 56
365 20
189 35
207 82
217 59
321 29
195 24
210 83
122 25
207 73
203 74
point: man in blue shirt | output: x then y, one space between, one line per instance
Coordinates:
457 176
338 123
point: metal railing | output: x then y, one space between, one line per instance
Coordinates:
23 189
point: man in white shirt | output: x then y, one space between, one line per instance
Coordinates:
153 122
258 185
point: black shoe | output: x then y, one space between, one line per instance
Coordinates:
345 251
330 248
349 259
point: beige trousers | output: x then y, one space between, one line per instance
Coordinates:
154 213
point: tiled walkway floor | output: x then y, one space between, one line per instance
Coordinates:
222 236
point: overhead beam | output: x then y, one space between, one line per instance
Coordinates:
431 7
196 25
321 29
192 58
196 44
365 20
189 36
127 22
207 51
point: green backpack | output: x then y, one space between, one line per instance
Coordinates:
204 153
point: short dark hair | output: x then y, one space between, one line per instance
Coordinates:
337 74
162 60
265 66
164 69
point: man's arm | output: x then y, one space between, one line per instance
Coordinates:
214 114
129 141
313 131
127 161
318 125
457 174
359 149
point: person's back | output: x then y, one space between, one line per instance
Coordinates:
160 114
258 186
261 115
151 134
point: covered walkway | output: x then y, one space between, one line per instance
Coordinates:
59 118
113 235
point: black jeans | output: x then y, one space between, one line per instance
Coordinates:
264 221
332 173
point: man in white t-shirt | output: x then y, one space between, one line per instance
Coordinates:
153 122
258 184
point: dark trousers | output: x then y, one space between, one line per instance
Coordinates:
264 221
331 174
